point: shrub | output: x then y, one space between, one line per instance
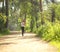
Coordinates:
49 31
56 28
46 31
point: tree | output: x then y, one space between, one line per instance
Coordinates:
53 12
41 11
3 6
6 3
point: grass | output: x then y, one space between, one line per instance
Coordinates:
56 44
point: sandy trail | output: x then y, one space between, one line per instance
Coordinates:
28 43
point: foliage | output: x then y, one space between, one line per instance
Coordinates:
3 29
56 44
2 22
56 28
57 11
49 31
30 10
27 27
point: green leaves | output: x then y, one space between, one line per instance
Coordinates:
49 31
2 21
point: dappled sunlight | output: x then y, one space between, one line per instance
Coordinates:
29 25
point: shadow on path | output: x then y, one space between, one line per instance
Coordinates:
6 43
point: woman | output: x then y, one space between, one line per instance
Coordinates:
22 27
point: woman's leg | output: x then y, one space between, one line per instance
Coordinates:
22 31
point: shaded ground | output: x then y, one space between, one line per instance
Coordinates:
29 43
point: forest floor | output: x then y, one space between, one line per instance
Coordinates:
28 43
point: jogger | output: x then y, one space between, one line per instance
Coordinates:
22 27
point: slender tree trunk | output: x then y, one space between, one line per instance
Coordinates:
3 7
53 12
36 12
41 10
53 15
31 22
6 3
36 22
41 6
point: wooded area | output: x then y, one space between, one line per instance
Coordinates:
42 17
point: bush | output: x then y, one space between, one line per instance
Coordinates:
56 28
49 31
3 29
2 22
35 30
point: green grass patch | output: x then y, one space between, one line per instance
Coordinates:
56 44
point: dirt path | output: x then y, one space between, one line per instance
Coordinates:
28 43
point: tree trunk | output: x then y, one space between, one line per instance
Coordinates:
53 12
53 15
41 6
3 6
6 3
41 10
31 22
